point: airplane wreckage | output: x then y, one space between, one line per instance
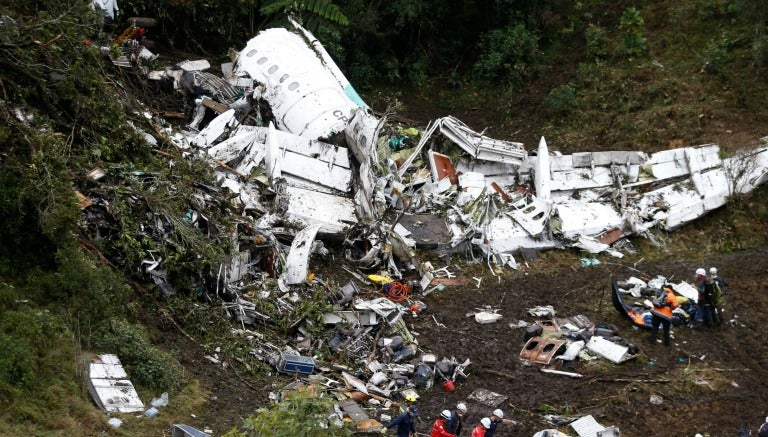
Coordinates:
293 143
339 170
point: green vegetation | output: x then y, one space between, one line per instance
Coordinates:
300 412
613 75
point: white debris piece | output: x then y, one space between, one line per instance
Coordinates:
609 350
587 426
110 387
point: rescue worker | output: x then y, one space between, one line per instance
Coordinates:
481 429
718 279
454 423
410 400
717 302
699 278
496 419
763 431
404 423
708 297
662 314
438 429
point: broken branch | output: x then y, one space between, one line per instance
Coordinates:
645 381
231 170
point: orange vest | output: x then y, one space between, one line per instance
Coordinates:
666 311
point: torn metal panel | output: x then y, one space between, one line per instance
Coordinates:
363 318
333 213
181 430
382 306
353 410
487 397
675 205
305 97
504 235
272 161
351 381
609 350
300 160
531 213
109 386
197 65
579 218
747 169
684 161
297 261
216 130
362 134
201 83
478 145
238 266
587 426
442 167
472 186
541 350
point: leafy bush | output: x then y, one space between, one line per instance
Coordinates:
717 54
146 365
562 99
631 26
506 53
596 41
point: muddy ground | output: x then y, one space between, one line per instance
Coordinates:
710 380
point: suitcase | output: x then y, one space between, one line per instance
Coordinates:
296 364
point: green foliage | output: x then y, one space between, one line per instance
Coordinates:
34 345
302 412
198 25
93 292
147 365
308 11
562 99
631 26
596 43
760 50
506 53
717 54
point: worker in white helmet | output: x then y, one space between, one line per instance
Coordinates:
717 303
457 416
496 419
438 429
481 429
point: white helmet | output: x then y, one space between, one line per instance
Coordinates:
713 270
461 407
486 422
701 271
445 414
498 413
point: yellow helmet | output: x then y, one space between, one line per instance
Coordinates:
410 398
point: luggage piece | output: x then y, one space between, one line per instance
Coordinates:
296 364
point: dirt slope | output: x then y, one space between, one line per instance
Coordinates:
710 380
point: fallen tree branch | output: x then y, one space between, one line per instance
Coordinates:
497 373
645 381
560 372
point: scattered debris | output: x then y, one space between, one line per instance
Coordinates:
110 387
587 426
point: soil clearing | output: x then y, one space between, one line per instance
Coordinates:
710 380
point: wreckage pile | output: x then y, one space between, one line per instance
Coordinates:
301 161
